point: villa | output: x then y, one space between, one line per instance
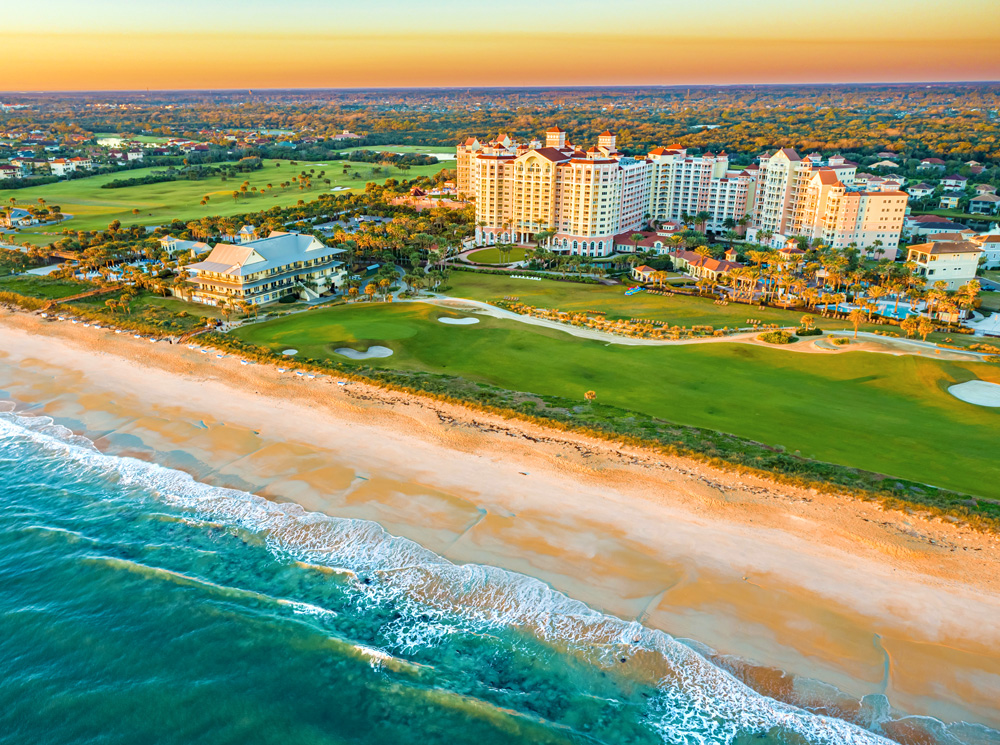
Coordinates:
952 262
921 190
16 217
173 246
266 270
984 204
950 200
702 267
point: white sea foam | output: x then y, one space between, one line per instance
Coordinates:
698 702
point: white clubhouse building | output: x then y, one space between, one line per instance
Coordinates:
265 270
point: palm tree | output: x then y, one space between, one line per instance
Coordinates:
590 396
370 290
857 317
925 327
702 218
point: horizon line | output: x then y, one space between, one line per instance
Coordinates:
556 86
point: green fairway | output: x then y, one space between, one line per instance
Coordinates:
678 310
436 150
492 256
878 412
94 208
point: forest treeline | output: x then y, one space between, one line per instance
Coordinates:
951 121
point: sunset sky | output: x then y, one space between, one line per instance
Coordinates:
111 44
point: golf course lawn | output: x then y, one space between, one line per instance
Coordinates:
492 255
94 208
442 153
679 310
879 412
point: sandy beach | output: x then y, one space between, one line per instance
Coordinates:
819 586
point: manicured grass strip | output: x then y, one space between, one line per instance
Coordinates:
492 256
881 413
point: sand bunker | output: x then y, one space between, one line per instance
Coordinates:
459 321
978 392
368 354
290 352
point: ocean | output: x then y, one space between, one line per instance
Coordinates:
138 605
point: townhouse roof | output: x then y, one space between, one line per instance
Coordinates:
935 161
554 130
948 237
933 218
606 133
986 198
954 177
644 268
713 265
789 153
947 247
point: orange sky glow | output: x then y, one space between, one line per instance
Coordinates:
123 61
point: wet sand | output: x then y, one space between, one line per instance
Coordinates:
815 585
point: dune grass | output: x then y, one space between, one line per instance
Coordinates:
881 413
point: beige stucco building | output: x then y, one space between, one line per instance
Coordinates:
952 262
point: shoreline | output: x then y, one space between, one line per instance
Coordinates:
783 576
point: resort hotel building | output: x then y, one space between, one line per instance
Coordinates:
578 200
816 199
265 270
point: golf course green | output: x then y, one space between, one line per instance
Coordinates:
492 256
882 413
94 208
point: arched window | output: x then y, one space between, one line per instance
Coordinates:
574 245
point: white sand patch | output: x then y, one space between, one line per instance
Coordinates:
371 352
978 392
459 321
290 352
341 188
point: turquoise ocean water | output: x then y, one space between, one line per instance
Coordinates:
138 605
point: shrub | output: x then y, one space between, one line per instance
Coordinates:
994 358
777 337
22 301
287 299
841 341
802 331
